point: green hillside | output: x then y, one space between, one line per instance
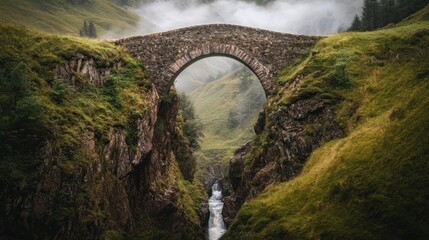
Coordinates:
67 16
35 104
38 107
228 108
373 183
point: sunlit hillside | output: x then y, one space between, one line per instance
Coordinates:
228 109
371 184
67 16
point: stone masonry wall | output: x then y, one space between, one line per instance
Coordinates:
166 54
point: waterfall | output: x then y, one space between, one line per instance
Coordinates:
216 224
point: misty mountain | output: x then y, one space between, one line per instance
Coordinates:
228 108
205 71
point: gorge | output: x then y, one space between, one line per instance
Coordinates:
93 143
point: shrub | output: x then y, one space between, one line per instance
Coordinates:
59 91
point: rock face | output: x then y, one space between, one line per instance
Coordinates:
236 165
154 188
265 52
82 66
116 189
285 141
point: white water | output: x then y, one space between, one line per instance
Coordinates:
216 224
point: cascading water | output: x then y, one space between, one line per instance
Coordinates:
216 224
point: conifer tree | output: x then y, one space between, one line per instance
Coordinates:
92 33
386 13
369 11
379 13
366 14
356 24
375 10
84 31
88 30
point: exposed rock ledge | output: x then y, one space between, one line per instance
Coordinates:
291 133
83 67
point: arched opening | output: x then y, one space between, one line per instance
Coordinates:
227 98
262 73
222 98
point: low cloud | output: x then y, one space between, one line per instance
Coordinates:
312 17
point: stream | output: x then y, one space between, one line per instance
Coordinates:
216 225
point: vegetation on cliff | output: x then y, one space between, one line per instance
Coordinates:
38 108
72 117
372 183
192 127
36 103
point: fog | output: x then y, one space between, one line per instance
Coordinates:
205 71
312 17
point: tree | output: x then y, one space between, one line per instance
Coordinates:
192 127
92 33
356 24
369 15
88 30
20 110
386 12
233 119
375 10
84 31
379 13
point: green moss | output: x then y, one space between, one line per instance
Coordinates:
371 184
191 194
190 190
37 106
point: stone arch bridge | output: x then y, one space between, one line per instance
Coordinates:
165 55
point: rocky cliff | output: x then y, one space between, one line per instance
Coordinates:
342 149
287 135
108 159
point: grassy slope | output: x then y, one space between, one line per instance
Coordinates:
372 184
94 107
47 108
57 16
35 105
212 103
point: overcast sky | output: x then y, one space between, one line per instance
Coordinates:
316 17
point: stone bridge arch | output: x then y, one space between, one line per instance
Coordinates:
221 50
165 55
